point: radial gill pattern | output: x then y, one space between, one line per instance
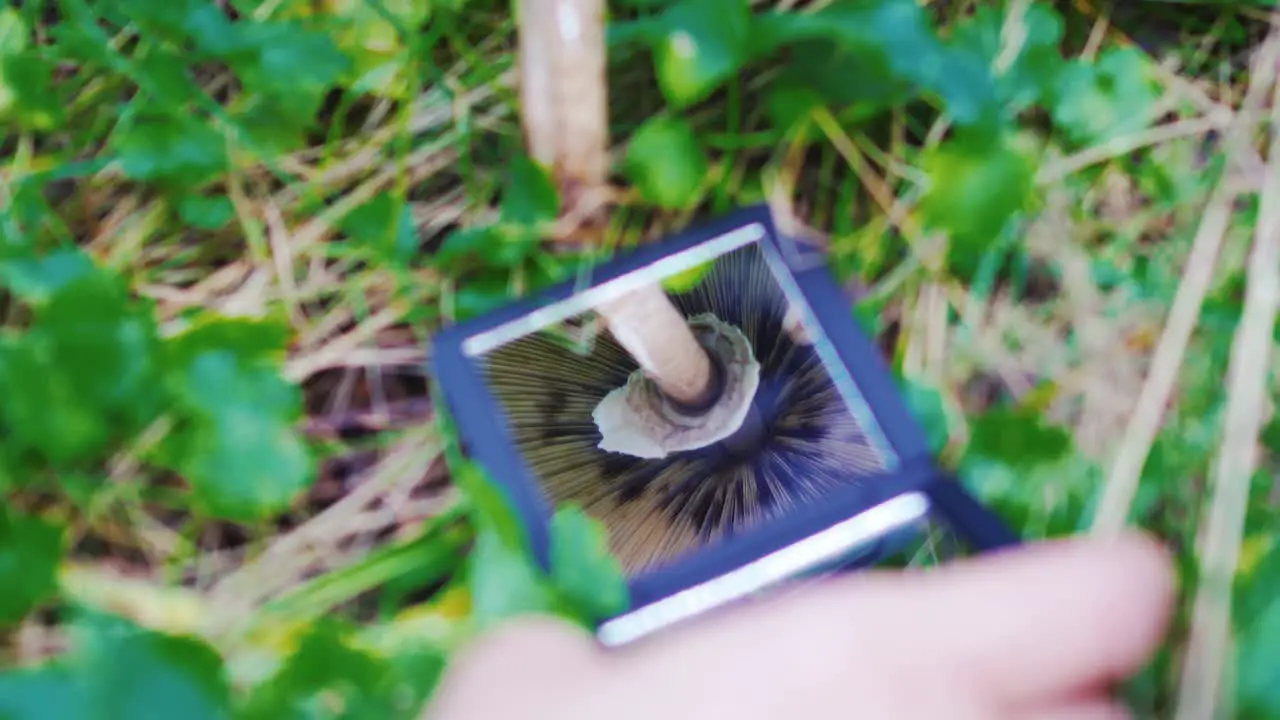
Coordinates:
800 442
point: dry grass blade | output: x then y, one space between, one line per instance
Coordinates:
1210 633
290 557
1144 425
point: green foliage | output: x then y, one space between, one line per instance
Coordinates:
1029 470
1097 102
1257 621
120 670
530 204
585 582
237 445
30 551
329 676
583 567
702 45
666 163
975 186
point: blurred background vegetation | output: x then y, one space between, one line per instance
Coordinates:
230 227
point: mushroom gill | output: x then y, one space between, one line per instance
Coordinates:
798 442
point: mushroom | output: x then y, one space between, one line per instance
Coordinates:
564 99
795 440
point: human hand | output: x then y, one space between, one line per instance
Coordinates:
1038 633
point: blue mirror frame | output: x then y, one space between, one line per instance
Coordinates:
855 527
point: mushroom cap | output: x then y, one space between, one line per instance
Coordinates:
800 441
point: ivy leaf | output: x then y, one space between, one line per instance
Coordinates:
126 671
236 443
1113 97
180 149
583 567
975 187
530 199
30 552
666 163
702 45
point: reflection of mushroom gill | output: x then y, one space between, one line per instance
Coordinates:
799 442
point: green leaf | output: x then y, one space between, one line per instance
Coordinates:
164 75
1018 437
583 567
30 553
479 295
702 44
291 66
791 101
385 225
489 246
181 149
504 582
37 280
15 35
878 53
1027 78
687 280
26 89
211 30
48 692
975 188
1029 470
1110 98
328 677
930 409
504 579
85 373
530 199
666 163
131 673
205 213
1258 666
119 671
237 443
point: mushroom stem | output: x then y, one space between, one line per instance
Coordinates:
564 99
564 93
650 328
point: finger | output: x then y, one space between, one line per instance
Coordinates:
1034 623
521 669
1099 709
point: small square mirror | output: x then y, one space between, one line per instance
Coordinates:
822 469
